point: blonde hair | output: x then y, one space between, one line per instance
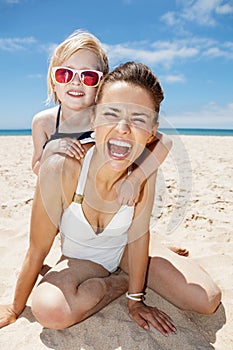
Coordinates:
79 39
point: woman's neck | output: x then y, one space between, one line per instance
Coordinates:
103 175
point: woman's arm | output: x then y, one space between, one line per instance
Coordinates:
43 229
138 237
138 258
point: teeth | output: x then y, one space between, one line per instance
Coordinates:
118 154
119 148
120 143
75 93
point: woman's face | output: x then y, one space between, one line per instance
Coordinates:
123 123
74 95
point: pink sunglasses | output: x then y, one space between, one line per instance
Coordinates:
64 75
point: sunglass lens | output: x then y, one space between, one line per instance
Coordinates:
90 78
63 76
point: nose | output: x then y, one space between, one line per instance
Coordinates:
76 79
123 126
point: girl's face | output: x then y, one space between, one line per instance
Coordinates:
123 123
75 95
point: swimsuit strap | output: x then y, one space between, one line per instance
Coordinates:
78 196
58 118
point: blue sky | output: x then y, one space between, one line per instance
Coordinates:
187 43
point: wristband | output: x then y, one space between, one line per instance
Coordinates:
135 296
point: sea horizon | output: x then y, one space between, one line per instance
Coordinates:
169 131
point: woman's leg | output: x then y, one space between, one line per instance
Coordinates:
74 290
181 281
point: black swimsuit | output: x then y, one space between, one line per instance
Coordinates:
85 136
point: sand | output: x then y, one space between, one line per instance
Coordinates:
193 209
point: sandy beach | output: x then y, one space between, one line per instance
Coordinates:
193 209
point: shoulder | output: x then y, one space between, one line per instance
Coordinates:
46 117
61 173
44 123
165 139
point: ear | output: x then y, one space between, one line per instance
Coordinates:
151 138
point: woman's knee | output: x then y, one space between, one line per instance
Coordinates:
91 292
55 311
50 308
212 301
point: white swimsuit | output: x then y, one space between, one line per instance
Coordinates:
78 237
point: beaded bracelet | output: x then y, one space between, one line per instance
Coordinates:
135 296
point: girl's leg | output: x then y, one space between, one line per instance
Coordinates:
74 290
181 281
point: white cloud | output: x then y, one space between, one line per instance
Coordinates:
211 116
218 52
12 2
224 9
202 12
24 44
170 18
167 53
158 52
16 44
36 76
172 78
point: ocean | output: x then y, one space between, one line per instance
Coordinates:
180 131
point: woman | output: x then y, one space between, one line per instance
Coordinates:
79 198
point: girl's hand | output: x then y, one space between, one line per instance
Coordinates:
128 191
144 315
67 146
71 147
7 315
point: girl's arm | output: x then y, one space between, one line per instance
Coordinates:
147 164
46 210
39 137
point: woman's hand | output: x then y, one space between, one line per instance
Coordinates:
7 315
145 315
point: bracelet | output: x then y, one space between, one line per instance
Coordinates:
135 296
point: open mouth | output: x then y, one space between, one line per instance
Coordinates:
119 149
